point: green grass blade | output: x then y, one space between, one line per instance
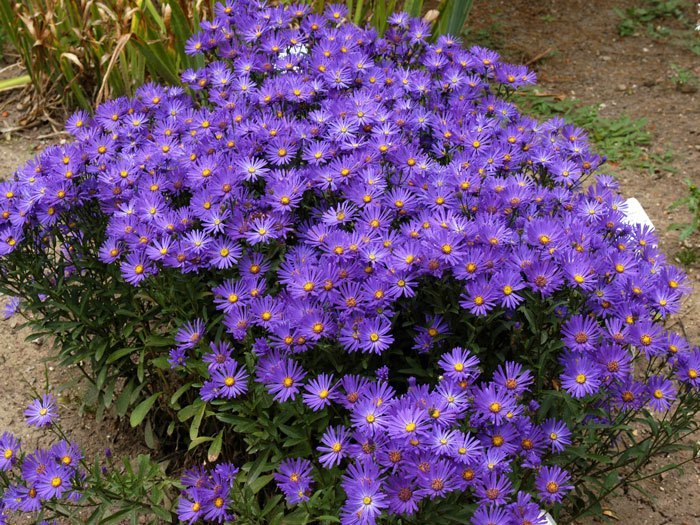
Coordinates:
15 82
413 7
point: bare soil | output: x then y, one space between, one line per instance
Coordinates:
577 52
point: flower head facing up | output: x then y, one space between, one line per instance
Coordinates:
42 412
9 450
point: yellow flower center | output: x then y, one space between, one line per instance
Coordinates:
230 381
581 379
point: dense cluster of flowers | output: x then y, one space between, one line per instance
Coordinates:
205 494
323 174
403 449
47 474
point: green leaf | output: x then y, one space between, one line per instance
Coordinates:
118 354
215 447
142 409
197 421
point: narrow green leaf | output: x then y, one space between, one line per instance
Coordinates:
15 83
142 409
215 447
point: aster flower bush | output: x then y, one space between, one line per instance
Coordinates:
349 265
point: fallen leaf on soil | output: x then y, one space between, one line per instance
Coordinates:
610 514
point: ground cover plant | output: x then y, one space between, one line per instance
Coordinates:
347 265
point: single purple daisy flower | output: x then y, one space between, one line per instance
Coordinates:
320 392
662 392
190 333
42 412
334 445
9 449
551 484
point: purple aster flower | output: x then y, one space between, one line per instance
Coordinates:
54 481
334 445
493 403
688 368
9 449
189 506
375 335
480 297
648 337
136 268
403 495
580 333
177 357
224 253
490 515
219 355
11 307
365 502
524 511
629 394
189 334
440 480
368 417
551 484
353 386
294 479
512 377
407 424
662 393
580 377
466 448
286 380
459 364
544 277
320 392
67 454
557 434
42 412
227 381
615 362
508 283
494 489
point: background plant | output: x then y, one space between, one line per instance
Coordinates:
81 53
